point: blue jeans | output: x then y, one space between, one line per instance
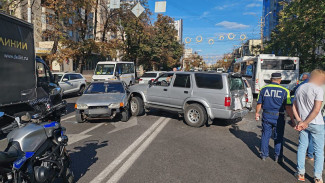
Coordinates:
316 132
268 125
310 150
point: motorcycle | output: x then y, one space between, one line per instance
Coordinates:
35 153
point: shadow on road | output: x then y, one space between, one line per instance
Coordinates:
252 140
83 157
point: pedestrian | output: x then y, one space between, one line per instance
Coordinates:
310 149
174 69
307 111
273 99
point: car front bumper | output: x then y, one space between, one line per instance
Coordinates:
105 112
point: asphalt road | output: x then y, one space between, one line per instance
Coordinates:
159 147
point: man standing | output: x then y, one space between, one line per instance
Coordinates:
273 99
307 110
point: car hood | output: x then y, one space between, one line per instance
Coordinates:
101 99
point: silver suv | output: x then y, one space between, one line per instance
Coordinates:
199 96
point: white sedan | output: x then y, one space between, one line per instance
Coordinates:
149 76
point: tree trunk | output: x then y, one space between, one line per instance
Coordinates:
80 65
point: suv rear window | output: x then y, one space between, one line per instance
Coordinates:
209 81
236 83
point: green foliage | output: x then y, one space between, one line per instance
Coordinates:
301 32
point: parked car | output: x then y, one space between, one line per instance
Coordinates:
71 83
150 76
199 96
105 99
249 95
220 70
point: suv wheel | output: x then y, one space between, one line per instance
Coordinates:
136 106
81 90
195 115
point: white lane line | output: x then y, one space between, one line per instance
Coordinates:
100 177
73 138
63 119
91 129
127 165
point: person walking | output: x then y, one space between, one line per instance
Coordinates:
307 111
273 99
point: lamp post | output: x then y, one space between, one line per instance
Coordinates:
262 27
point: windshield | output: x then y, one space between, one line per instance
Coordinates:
105 88
105 69
278 65
149 75
236 84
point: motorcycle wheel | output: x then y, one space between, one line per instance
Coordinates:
68 176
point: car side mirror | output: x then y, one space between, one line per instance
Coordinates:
65 80
2 114
117 74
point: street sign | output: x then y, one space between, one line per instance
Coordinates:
160 7
115 4
138 10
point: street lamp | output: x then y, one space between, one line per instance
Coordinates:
262 27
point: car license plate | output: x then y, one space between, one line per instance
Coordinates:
238 105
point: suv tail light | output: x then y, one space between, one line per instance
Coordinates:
246 95
140 79
227 101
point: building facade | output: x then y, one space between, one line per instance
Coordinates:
179 27
271 10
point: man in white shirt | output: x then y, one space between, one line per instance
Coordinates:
307 111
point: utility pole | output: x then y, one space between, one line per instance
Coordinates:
262 34
262 31
29 11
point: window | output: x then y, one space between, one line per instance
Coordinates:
164 80
183 80
209 81
236 83
105 88
66 76
149 75
278 65
105 69
42 73
74 76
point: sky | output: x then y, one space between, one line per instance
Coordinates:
211 19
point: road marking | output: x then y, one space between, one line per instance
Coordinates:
66 118
100 177
127 165
73 138
124 125
91 129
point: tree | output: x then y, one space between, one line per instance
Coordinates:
193 61
167 51
301 32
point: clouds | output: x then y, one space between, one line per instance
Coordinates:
204 14
231 25
253 5
250 13
224 6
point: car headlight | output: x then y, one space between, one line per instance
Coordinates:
115 105
82 106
